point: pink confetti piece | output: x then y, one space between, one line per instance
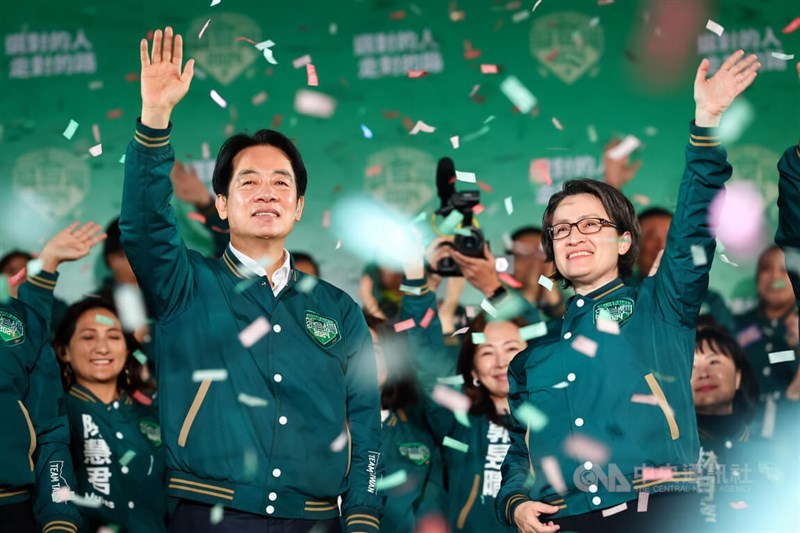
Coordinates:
739 505
259 98
397 15
404 325
641 199
648 399
200 35
205 149
552 55
96 150
539 171
454 142
557 124
301 61
510 280
624 505
607 326
737 217
478 209
374 170
218 99
311 71
749 335
641 505
421 127
456 16
426 318
553 473
792 26
586 346
96 133
142 398
657 473
197 216
314 104
326 218
583 448
417 73
604 2
485 186
18 278
255 331
488 69
714 27
460 331
451 399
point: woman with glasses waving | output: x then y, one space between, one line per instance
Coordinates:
604 419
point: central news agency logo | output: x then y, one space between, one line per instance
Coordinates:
721 477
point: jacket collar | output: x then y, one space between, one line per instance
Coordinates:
240 272
601 292
85 395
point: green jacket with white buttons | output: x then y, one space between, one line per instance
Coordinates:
254 428
615 404
116 448
477 445
34 449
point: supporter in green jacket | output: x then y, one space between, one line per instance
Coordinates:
36 474
260 368
612 382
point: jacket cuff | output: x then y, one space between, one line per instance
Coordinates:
362 519
151 139
704 137
416 287
59 525
511 506
44 280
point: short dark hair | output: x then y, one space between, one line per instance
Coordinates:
482 404
129 379
112 244
745 402
763 254
655 212
620 211
223 169
10 256
302 256
524 231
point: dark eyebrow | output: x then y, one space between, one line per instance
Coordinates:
245 172
283 173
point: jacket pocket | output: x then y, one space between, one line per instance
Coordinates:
195 407
32 434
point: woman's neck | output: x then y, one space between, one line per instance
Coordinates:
501 405
716 410
584 289
777 311
105 392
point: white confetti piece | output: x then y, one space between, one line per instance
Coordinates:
466 177
519 16
501 264
333 28
561 385
200 35
657 473
770 412
90 502
533 331
421 127
624 148
96 150
140 357
127 457
395 479
553 473
546 282
714 27
451 380
264 46
530 415
557 124
585 345
592 133
215 2
724 259
616 509
33 267
455 444
509 205
454 142
699 255
474 90
71 128
259 98
648 399
594 22
451 399
214 374
301 61
252 333
407 289
583 448
338 244
641 505
314 104
217 511
220 101
781 357
520 96
96 133
339 442
607 326
306 284
366 131
536 5
450 222
130 305
782 57
311 72
460 331
252 401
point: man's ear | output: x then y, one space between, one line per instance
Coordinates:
624 243
738 379
221 203
298 212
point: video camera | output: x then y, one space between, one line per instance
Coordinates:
469 239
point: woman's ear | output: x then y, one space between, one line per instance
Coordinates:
624 243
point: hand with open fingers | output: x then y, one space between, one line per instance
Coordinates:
481 272
714 95
164 82
656 263
527 518
70 244
188 186
618 172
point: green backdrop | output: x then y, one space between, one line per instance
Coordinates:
596 71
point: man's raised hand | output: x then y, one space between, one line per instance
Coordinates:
715 94
163 83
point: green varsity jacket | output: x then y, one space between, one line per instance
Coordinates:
251 427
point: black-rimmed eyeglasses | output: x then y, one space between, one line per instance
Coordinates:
587 226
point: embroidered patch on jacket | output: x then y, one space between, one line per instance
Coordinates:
324 330
12 330
618 310
151 430
416 452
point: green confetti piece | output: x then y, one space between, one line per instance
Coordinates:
519 95
245 284
140 356
778 284
490 309
510 306
603 314
450 222
478 338
474 135
217 512
252 401
70 131
421 217
250 463
306 285
127 457
122 159
395 479
102 319
462 418
462 231
533 331
699 255
455 444
451 380
528 414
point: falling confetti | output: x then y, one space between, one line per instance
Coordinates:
533 331
301 61
531 416
404 325
641 505
200 35
140 357
70 131
339 442
737 216
417 73
714 27
197 217
426 319
617 508
217 511
142 398
783 57
584 345
455 444
781 357
127 457
218 99
215 2
488 69
450 222
583 448
557 124
314 104
520 96
366 131
460 331
520 16
451 399
466 177
395 479
252 333
96 150
647 399
509 205
478 209
792 26
265 48
326 218
259 98
749 335
311 71
213 374
624 148
699 255
509 280
553 473
102 319
454 142
546 282
657 473
131 307
451 380
478 337
421 126
252 401
536 5
739 505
